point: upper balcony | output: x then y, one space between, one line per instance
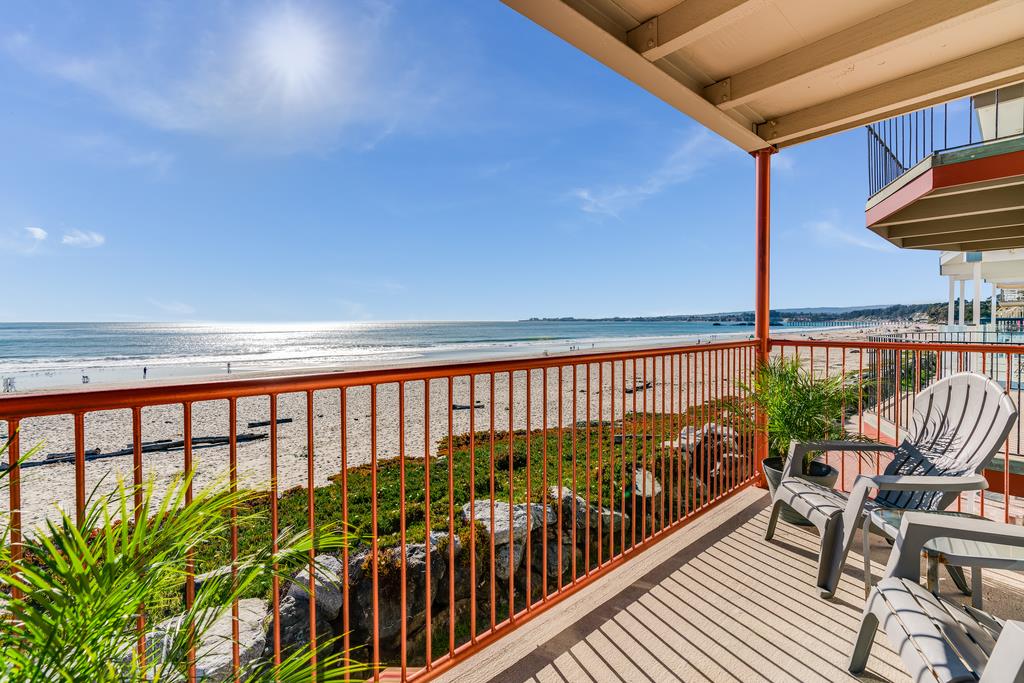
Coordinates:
949 177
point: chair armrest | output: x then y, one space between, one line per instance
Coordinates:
916 482
863 484
918 528
1006 663
798 449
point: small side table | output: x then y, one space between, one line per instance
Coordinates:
949 551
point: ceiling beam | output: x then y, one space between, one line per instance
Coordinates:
591 36
978 245
952 206
951 225
981 71
1009 232
685 23
885 31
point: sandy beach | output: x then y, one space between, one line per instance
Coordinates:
50 485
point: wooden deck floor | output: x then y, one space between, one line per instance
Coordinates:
714 602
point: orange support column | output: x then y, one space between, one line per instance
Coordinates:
762 309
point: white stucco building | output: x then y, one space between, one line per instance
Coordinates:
975 275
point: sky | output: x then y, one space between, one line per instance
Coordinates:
404 160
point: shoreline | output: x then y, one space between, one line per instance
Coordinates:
43 488
162 371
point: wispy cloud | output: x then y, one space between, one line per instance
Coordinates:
829 233
285 77
173 307
37 234
22 240
695 153
86 239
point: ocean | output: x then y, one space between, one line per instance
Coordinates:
36 356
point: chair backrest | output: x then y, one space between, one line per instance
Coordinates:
958 426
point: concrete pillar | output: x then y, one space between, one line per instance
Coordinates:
995 298
976 319
960 304
952 298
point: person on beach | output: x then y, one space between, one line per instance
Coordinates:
144 371
229 367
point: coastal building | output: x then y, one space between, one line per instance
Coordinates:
1001 271
950 178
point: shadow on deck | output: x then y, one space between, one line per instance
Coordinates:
714 602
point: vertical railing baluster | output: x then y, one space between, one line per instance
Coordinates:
79 468
529 491
274 526
588 476
14 498
236 659
137 488
374 531
493 572
511 500
427 597
190 568
451 519
403 568
472 507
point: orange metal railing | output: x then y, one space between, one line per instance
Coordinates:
586 447
888 375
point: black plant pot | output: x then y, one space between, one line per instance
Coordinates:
823 474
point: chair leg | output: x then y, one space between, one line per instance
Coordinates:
865 639
835 546
957 574
773 519
866 550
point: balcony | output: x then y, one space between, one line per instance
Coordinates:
587 516
949 177
714 602
583 495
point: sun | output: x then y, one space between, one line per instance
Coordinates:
292 52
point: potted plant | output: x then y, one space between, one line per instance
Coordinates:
800 407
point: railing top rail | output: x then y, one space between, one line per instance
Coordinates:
909 345
71 401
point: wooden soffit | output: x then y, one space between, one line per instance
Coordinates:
780 72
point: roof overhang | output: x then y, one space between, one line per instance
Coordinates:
763 73
1004 267
963 200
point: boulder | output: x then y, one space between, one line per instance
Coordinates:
508 535
568 551
389 582
732 465
645 485
719 437
689 439
329 578
214 649
584 513
218 575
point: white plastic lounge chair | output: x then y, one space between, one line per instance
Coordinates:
938 639
959 423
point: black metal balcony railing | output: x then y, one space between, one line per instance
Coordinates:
898 144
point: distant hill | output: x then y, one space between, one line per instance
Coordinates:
933 313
